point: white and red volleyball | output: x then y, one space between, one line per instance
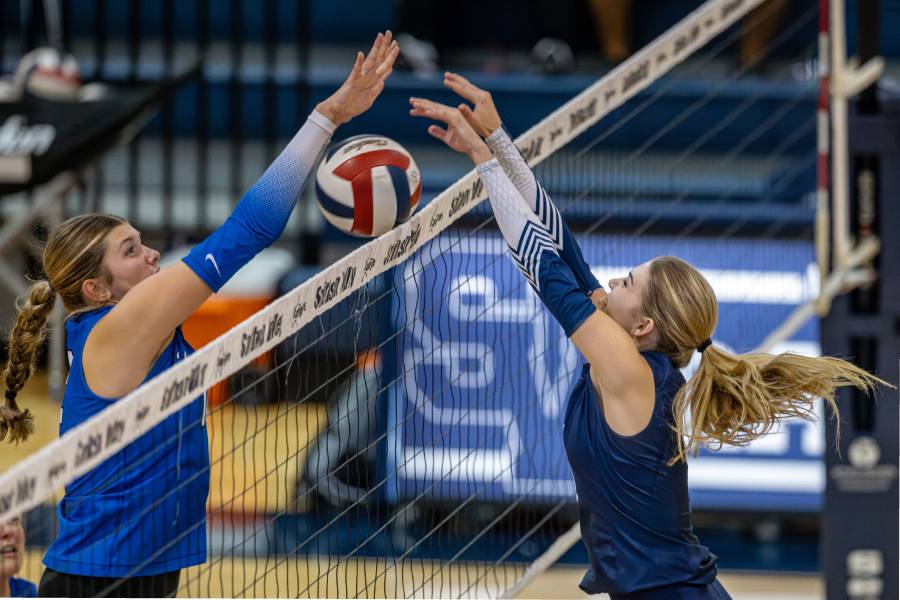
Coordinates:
367 185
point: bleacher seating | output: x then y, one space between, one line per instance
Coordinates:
260 102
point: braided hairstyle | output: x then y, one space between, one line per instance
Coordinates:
24 339
74 253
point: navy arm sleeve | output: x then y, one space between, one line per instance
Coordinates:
533 250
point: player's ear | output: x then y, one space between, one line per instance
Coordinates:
94 291
645 326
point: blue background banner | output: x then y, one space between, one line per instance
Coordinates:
483 372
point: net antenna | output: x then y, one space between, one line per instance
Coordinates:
844 262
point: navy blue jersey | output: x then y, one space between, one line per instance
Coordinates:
634 508
143 510
21 588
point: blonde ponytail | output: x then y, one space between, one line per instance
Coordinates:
26 336
732 399
735 399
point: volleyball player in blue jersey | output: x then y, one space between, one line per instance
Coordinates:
626 433
128 526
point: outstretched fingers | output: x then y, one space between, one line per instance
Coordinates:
433 110
469 116
371 57
387 42
436 111
376 44
384 44
438 132
387 64
462 86
455 132
358 65
460 91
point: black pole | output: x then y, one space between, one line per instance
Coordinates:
869 40
100 35
860 520
28 27
864 216
65 18
3 33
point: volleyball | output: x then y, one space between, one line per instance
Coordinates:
367 185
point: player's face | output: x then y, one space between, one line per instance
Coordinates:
12 547
624 303
127 260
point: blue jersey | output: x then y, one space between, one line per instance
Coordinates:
634 509
143 510
21 588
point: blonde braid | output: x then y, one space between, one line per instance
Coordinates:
26 336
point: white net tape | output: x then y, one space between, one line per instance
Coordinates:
33 480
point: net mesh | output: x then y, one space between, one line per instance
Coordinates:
392 427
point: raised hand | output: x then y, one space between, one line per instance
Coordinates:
366 80
484 118
458 134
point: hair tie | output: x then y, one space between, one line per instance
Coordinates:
10 395
704 345
50 285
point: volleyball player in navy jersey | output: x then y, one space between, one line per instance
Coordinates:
626 433
128 526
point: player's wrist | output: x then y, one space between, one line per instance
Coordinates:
480 154
496 135
491 125
330 110
323 122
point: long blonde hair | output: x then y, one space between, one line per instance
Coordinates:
74 253
732 399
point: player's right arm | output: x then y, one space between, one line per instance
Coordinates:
122 347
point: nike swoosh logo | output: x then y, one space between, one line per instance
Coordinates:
212 259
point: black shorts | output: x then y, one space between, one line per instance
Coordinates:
60 585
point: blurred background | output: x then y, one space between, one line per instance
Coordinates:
203 94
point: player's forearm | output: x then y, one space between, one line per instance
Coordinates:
514 165
533 250
263 212
539 202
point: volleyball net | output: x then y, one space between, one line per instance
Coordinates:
392 426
